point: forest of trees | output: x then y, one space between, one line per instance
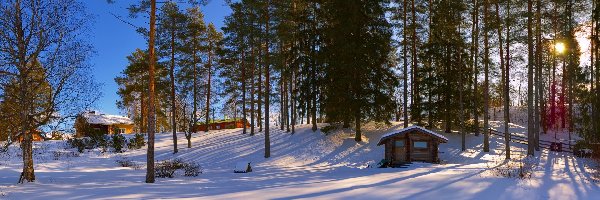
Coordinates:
437 63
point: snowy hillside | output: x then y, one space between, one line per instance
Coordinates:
304 165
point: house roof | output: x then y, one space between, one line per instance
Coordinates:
95 118
409 129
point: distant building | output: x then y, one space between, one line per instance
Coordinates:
222 124
413 143
91 121
37 136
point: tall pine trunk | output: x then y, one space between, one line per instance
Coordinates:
151 104
415 67
502 68
475 52
243 80
208 87
405 68
461 86
172 77
267 85
486 84
252 86
538 77
507 83
530 66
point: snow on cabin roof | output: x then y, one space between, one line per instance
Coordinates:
94 118
411 128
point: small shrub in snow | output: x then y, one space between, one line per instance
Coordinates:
167 168
136 142
328 129
78 143
126 162
118 141
514 168
192 169
58 155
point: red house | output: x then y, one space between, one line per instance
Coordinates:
222 124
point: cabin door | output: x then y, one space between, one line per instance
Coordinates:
399 151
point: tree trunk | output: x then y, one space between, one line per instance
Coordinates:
151 104
461 116
507 84
26 145
267 86
405 69
260 92
172 77
357 136
475 53
501 50
252 86
486 92
594 69
538 78
530 66
293 94
208 87
415 67
244 119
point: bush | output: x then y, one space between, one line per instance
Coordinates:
136 142
521 168
59 155
328 129
102 142
118 142
192 169
126 162
581 144
167 168
78 143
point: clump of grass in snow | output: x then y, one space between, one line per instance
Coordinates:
126 162
521 168
167 168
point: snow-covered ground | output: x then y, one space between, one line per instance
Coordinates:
305 165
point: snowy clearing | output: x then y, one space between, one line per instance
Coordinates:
305 165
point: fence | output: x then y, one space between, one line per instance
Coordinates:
542 143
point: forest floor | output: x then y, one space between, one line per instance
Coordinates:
305 165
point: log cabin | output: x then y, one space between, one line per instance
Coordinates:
103 123
410 144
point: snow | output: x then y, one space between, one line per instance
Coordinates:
430 132
105 119
305 165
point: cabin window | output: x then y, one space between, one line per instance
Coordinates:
420 145
399 143
121 131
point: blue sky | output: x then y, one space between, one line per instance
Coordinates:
114 40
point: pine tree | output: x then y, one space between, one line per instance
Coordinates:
213 40
169 45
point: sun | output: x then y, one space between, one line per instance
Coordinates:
559 47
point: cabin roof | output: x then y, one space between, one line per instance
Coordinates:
409 129
94 118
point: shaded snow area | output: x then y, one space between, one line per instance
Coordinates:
305 165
